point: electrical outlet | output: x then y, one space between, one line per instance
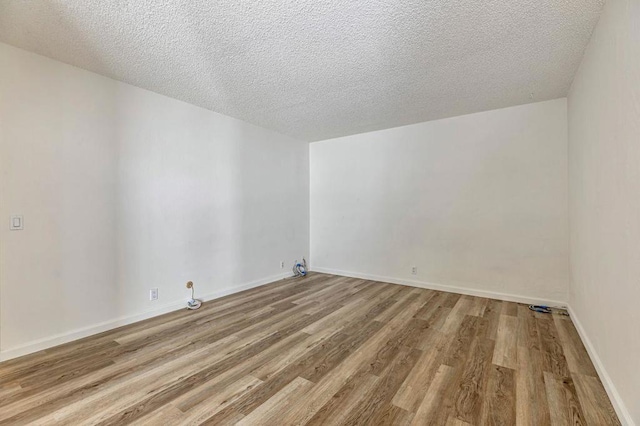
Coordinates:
282 264
414 270
153 294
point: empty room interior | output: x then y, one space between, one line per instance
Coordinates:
303 212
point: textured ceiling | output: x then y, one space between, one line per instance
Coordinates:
319 69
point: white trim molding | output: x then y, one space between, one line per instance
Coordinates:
443 287
618 405
614 396
59 339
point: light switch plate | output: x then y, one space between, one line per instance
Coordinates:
17 223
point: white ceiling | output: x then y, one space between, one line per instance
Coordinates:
317 69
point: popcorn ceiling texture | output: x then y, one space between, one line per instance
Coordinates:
319 69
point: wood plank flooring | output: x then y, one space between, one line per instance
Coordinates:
320 350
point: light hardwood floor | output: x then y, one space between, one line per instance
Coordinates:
318 350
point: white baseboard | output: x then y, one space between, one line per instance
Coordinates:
614 396
612 392
58 339
442 287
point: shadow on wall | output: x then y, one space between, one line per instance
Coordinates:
475 202
124 190
180 200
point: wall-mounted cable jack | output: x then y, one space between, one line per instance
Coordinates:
192 303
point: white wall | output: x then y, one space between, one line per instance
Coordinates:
123 190
604 153
477 201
